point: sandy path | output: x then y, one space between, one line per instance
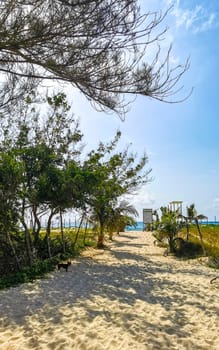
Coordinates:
127 297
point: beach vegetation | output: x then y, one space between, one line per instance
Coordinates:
210 235
121 216
192 216
185 236
44 175
41 266
114 174
168 229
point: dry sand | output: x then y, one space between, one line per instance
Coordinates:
127 297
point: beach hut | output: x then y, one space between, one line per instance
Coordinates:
176 206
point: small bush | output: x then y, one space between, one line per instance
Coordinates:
160 239
189 250
43 265
29 274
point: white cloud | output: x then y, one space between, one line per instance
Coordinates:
196 19
142 199
207 24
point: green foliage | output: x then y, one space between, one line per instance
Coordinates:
160 238
169 227
10 180
189 249
197 243
40 173
112 175
121 216
28 274
38 167
41 267
59 101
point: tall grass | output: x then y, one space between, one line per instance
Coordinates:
210 235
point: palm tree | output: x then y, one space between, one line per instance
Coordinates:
169 227
156 221
121 216
192 216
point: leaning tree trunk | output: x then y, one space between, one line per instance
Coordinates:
200 236
48 232
36 227
28 242
62 233
13 250
187 230
78 230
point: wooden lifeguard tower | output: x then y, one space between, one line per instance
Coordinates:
176 206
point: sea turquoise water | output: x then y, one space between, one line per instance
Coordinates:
140 225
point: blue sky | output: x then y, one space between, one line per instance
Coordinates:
181 140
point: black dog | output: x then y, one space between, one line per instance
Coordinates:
64 265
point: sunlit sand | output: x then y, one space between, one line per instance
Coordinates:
128 296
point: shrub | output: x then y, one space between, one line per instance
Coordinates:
29 274
189 250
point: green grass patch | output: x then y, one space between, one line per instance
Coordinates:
29 274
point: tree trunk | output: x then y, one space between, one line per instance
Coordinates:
62 233
171 245
200 236
100 242
48 231
110 235
78 230
13 250
36 226
187 230
28 245
85 231
28 242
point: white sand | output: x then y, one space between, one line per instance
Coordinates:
128 297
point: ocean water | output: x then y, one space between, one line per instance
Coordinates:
140 225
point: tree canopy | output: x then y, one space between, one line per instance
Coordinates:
43 175
104 48
113 174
